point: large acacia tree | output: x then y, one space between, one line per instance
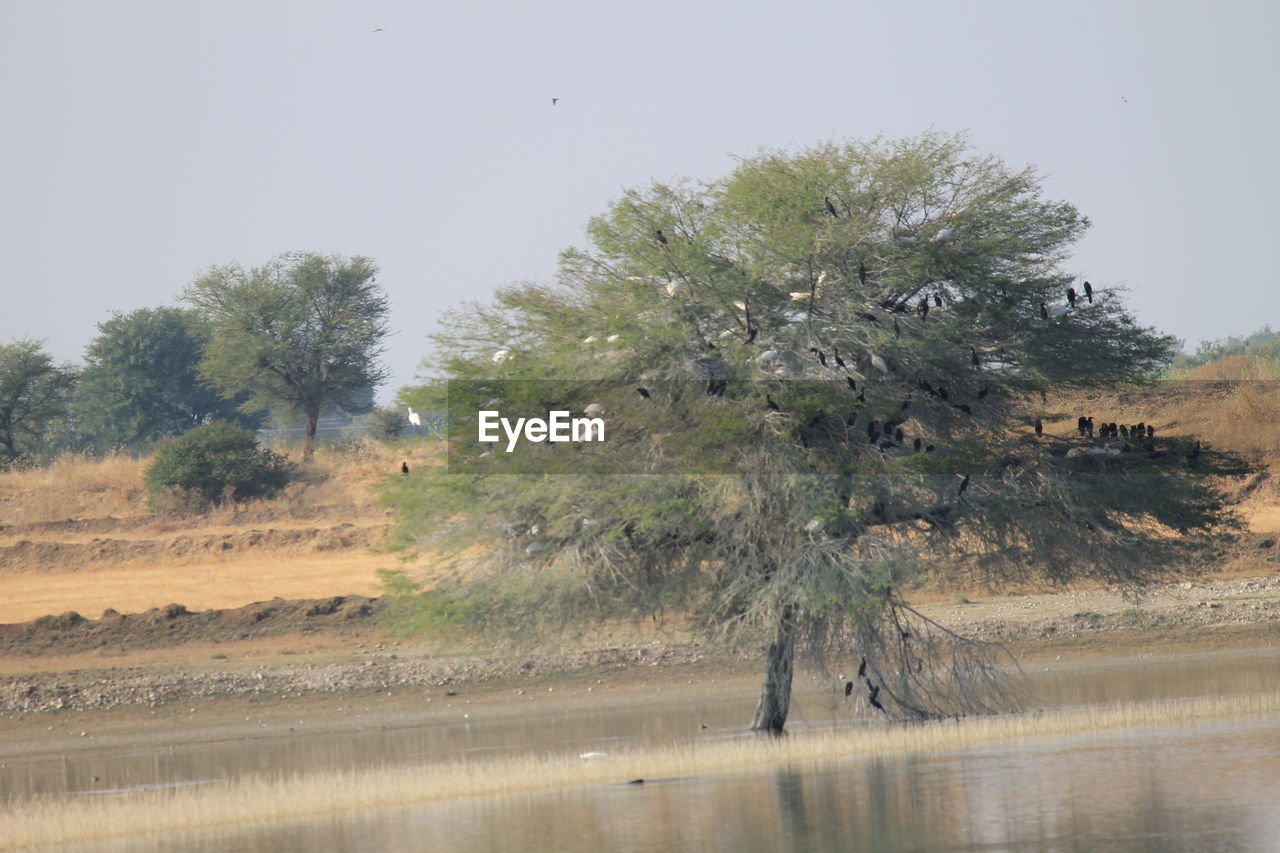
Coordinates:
820 375
301 334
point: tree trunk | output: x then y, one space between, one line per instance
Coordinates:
309 439
775 694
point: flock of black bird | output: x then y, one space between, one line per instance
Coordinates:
873 691
1140 430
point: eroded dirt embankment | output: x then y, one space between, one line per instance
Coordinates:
1190 614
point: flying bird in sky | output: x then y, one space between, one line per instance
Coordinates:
555 101
379 30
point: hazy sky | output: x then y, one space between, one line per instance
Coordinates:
145 141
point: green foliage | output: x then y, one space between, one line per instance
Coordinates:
34 394
409 610
799 523
216 461
300 335
141 382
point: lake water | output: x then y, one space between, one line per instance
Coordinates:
1202 788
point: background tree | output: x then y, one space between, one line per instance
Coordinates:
33 395
141 380
820 374
300 335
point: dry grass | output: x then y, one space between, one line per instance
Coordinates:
73 487
48 821
79 536
78 487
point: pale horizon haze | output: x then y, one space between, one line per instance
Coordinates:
147 141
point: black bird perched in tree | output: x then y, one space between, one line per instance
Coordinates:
831 208
897 330
862 396
862 273
1044 311
839 361
752 331
862 670
964 407
662 238
822 356
925 386
873 430
923 308
866 315
404 467
770 405
1088 291
942 392
897 435
851 420
875 692
643 392
1039 427
1195 453
930 449
1071 296
1151 432
906 404
937 300
853 386
1082 425
916 444
964 484
848 688
973 357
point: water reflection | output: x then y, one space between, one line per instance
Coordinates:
1204 788
1214 788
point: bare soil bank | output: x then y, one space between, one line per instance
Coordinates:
304 650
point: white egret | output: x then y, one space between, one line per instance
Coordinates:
414 417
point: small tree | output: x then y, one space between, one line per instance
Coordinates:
821 374
34 393
387 422
214 461
300 334
141 380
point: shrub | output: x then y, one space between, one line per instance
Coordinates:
386 423
214 461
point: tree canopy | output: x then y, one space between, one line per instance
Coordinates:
299 335
820 375
141 380
34 392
